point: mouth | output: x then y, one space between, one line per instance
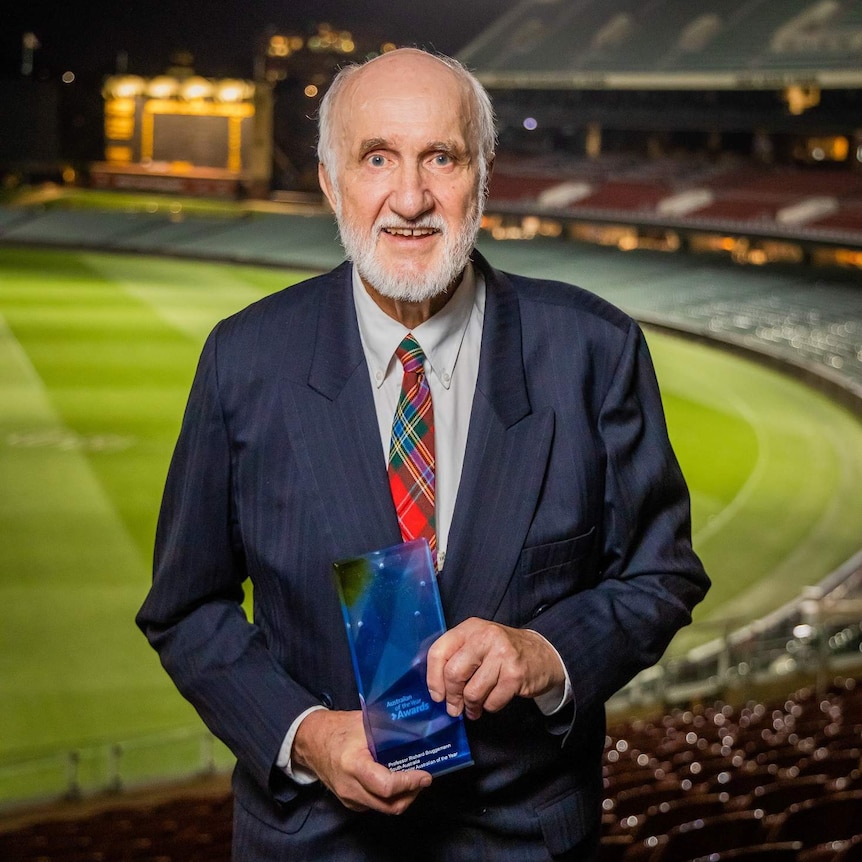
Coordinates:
410 231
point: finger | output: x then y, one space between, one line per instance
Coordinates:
381 783
457 673
439 654
481 689
388 792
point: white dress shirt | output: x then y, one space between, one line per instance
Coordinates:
451 341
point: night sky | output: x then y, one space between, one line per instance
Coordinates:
86 37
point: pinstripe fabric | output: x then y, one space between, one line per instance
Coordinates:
411 449
571 519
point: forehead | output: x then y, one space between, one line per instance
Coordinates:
404 100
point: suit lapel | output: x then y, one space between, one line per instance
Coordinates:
338 429
504 464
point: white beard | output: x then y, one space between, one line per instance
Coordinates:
410 282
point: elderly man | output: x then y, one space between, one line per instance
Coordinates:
548 491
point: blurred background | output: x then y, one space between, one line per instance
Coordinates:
700 165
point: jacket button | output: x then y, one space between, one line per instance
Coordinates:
539 610
326 699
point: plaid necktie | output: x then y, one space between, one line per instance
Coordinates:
411 449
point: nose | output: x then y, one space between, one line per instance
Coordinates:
410 197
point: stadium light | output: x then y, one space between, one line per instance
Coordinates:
162 87
232 90
196 89
125 86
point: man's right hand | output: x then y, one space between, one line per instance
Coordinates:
332 745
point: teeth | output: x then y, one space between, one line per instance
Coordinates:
408 231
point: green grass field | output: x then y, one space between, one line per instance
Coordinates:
96 356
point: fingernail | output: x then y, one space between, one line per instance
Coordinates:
436 696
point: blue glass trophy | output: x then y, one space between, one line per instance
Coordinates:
393 614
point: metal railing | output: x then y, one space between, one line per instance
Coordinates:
817 635
111 767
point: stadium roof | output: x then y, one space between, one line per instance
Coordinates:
671 44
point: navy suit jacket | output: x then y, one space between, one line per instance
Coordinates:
572 518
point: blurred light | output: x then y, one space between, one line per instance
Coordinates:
799 99
126 86
162 87
196 88
835 148
802 631
67 77
232 91
386 47
279 46
311 91
530 124
628 242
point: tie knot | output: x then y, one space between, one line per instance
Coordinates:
410 354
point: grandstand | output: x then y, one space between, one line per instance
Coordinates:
730 43
721 118
777 312
774 781
687 194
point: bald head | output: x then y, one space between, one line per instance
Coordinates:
407 74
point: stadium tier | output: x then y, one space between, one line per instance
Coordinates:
778 314
773 781
782 201
551 41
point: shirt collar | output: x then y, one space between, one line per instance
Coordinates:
440 337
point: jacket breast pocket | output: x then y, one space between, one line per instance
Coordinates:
550 572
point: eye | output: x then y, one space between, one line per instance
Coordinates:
442 160
376 160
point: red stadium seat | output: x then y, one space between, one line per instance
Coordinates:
786 851
820 820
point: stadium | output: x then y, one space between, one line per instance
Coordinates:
648 153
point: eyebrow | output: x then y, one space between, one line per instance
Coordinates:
370 144
449 146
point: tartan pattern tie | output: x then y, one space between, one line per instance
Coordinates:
411 449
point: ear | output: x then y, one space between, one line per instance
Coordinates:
326 185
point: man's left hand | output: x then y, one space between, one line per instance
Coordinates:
481 665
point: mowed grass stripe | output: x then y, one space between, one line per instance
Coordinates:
190 296
776 464
70 577
109 345
82 471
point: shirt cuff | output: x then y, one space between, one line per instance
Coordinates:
283 762
559 696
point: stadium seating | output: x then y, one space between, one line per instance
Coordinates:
759 808
195 829
812 204
630 36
